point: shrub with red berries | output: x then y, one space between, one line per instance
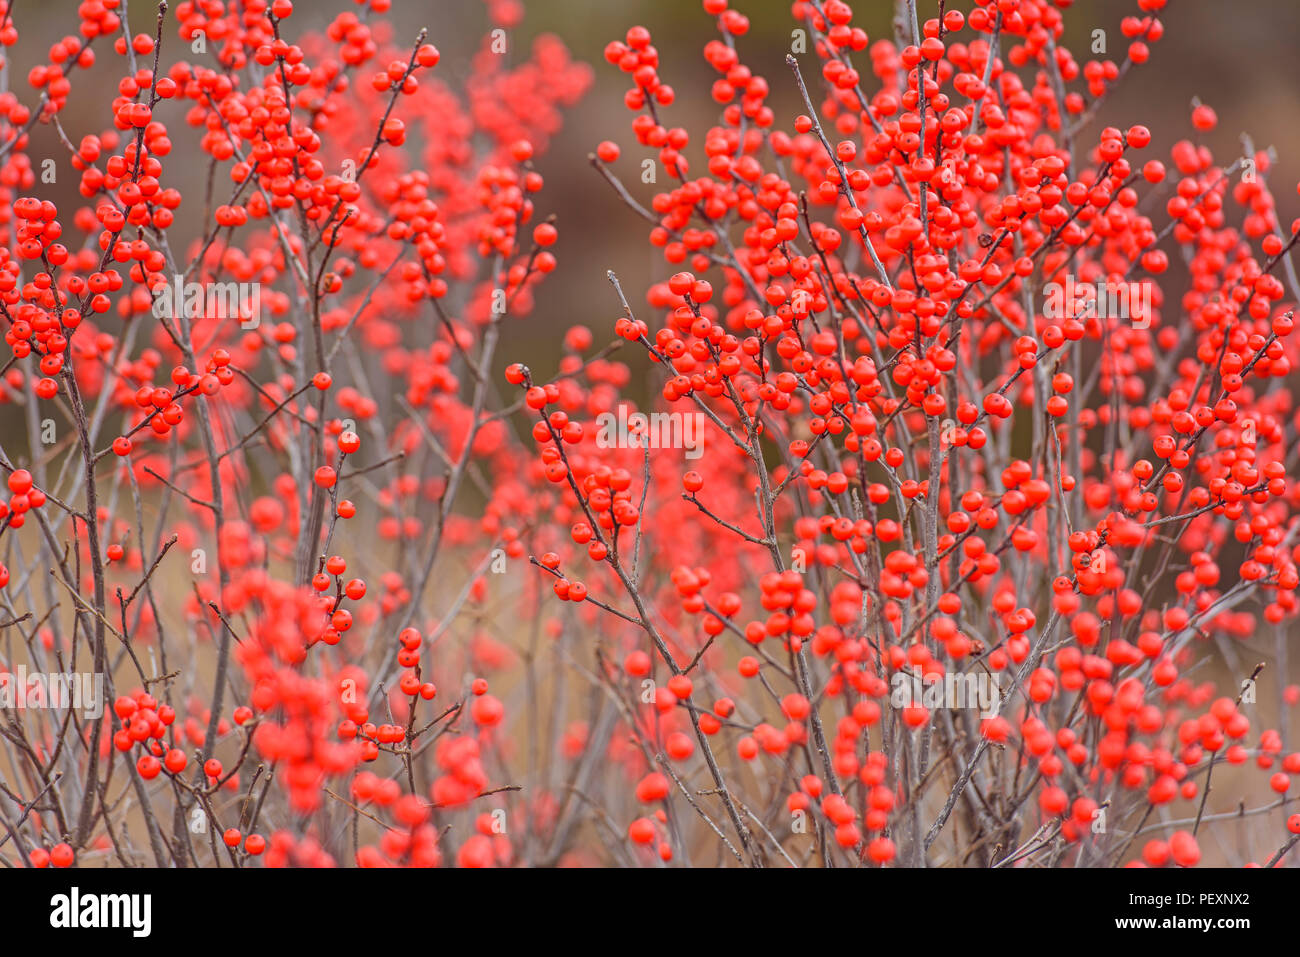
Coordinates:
269 405
958 529
992 522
